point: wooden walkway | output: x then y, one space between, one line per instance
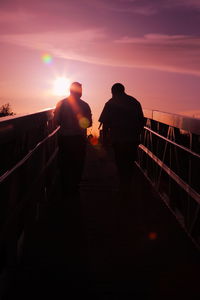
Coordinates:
100 245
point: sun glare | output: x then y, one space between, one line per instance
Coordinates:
61 86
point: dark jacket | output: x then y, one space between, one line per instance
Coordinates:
124 117
73 115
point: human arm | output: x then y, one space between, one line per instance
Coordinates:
56 114
140 117
89 116
141 122
104 124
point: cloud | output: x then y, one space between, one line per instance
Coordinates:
62 38
62 44
162 39
173 53
127 6
176 53
186 3
23 10
145 7
15 17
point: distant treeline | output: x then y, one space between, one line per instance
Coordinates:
6 110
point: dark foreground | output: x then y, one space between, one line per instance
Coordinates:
102 245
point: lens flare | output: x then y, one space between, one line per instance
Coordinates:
47 58
94 140
152 236
83 122
61 86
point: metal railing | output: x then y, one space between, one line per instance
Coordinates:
28 170
169 156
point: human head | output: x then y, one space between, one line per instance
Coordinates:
117 89
76 89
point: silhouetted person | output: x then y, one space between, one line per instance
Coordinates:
74 117
123 120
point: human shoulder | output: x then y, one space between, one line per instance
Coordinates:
61 102
84 104
109 103
133 100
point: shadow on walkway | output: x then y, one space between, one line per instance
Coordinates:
99 245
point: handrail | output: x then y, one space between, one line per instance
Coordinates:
172 142
21 116
29 175
173 168
24 159
175 120
191 192
13 126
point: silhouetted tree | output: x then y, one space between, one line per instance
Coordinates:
6 110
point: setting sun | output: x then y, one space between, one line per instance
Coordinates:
61 86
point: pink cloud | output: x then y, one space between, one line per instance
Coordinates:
146 8
161 39
187 3
127 6
176 53
15 16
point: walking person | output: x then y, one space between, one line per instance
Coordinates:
123 120
74 117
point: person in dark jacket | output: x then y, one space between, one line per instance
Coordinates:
74 117
122 119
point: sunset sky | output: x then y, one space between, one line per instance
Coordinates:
152 47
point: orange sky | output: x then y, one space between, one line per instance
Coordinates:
152 48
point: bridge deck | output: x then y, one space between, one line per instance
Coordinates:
100 247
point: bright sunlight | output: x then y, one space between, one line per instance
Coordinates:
61 86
